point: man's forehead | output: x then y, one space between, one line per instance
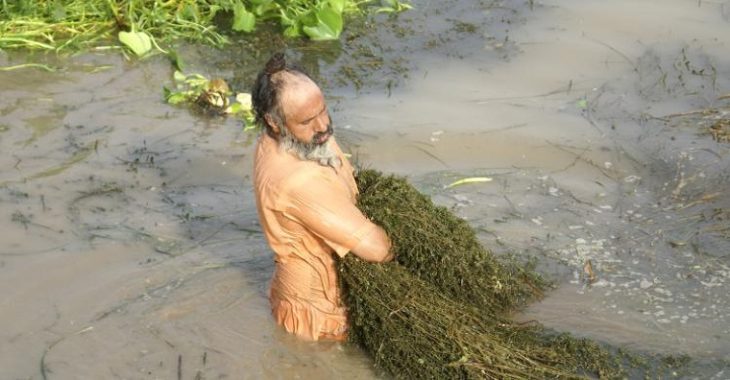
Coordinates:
298 93
290 78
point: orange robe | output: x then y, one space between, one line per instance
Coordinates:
308 213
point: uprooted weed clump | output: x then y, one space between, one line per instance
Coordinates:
414 331
439 310
443 249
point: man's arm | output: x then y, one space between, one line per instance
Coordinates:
375 247
325 209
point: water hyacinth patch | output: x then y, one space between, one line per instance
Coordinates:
75 24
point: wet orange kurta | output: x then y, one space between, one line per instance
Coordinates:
307 212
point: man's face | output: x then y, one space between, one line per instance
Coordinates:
306 113
308 125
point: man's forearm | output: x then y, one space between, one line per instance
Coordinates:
374 247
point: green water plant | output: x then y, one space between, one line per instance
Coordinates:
141 25
315 19
209 96
140 43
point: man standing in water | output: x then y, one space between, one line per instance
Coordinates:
305 195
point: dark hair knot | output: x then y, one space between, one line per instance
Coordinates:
276 63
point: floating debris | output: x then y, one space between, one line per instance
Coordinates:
720 130
465 181
589 276
209 97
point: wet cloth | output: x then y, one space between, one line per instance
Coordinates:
308 213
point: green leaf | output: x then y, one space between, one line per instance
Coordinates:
331 18
250 119
177 97
292 31
189 12
243 20
234 108
261 8
196 82
337 5
469 180
309 18
138 42
213 9
59 13
328 28
285 20
176 60
179 77
244 99
392 6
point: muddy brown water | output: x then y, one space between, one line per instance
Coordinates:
130 243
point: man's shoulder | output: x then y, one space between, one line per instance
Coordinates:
270 163
279 172
285 173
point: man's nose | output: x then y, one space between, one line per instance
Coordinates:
322 123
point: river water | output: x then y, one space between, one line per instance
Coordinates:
130 243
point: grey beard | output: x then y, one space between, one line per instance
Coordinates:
319 153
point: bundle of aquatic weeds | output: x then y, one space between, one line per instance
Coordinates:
441 248
437 311
413 331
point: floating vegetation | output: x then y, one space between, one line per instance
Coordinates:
77 157
720 130
465 181
712 121
140 43
138 25
210 97
440 311
81 154
28 65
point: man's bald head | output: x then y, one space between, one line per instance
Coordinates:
291 109
277 83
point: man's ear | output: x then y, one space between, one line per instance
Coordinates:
271 123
